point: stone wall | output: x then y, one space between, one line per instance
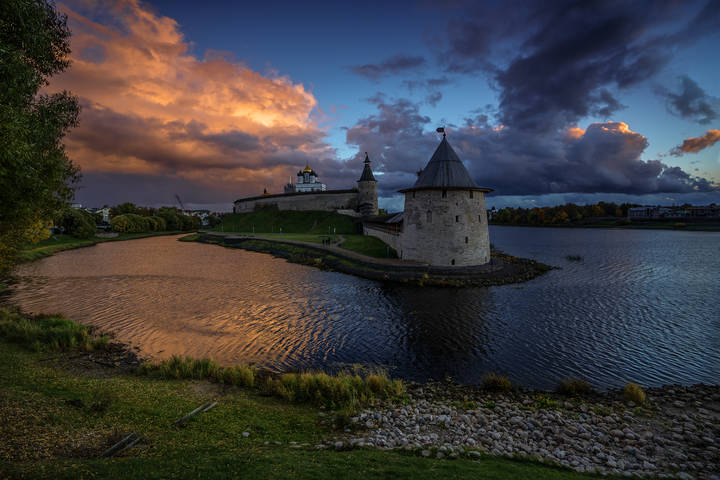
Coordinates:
368 198
329 201
391 238
448 231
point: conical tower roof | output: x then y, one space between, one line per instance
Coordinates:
445 170
367 175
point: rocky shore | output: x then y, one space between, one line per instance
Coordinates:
675 434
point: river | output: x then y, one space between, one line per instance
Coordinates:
641 305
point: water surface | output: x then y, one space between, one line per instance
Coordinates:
640 306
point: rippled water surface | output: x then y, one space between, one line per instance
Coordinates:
641 306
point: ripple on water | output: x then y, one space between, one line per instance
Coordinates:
640 306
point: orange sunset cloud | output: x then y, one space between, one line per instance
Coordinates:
150 106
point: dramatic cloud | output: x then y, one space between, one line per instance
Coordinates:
603 158
391 66
150 107
695 144
556 63
691 101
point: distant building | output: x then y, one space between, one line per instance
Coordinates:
659 212
310 194
307 181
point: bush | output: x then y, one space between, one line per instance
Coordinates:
574 387
496 383
48 332
77 223
634 393
130 223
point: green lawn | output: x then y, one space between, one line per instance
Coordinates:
370 246
271 221
58 243
54 423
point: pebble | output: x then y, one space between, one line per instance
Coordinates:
655 440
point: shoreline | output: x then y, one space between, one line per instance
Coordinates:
689 227
503 269
38 252
674 433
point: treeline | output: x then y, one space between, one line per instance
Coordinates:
129 218
568 213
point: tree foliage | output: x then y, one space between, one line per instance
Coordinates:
77 223
36 175
561 214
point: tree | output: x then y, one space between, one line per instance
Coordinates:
36 176
77 223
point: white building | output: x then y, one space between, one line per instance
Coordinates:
307 181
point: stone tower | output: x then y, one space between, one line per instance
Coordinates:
367 191
445 222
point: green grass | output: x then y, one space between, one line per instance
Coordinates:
58 243
271 221
55 423
367 245
48 332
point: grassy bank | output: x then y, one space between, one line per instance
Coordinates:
271 221
58 243
57 415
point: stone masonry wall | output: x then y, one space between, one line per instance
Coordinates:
307 201
367 195
439 230
390 238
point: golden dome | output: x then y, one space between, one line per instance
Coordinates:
307 168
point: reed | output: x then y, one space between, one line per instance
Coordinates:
48 332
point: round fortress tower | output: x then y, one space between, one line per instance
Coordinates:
367 191
445 222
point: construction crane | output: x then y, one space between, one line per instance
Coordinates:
177 197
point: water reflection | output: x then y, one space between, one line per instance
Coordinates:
640 306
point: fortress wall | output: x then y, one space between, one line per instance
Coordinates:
439 238
392 239
327 201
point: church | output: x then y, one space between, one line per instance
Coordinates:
443 223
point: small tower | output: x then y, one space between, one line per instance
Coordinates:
367 191
444 221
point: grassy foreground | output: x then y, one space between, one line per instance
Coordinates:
58 243
57 415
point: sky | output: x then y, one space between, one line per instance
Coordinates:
546 102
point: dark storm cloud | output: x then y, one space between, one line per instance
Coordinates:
690 102
606 158
558 62
391 66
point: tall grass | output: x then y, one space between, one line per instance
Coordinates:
342 391
46 332
496 382
634 393
199 369
573 387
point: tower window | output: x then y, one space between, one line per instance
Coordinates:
471 194
466 239
480 218
429 216
457 218
413 194
452 262
444 194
